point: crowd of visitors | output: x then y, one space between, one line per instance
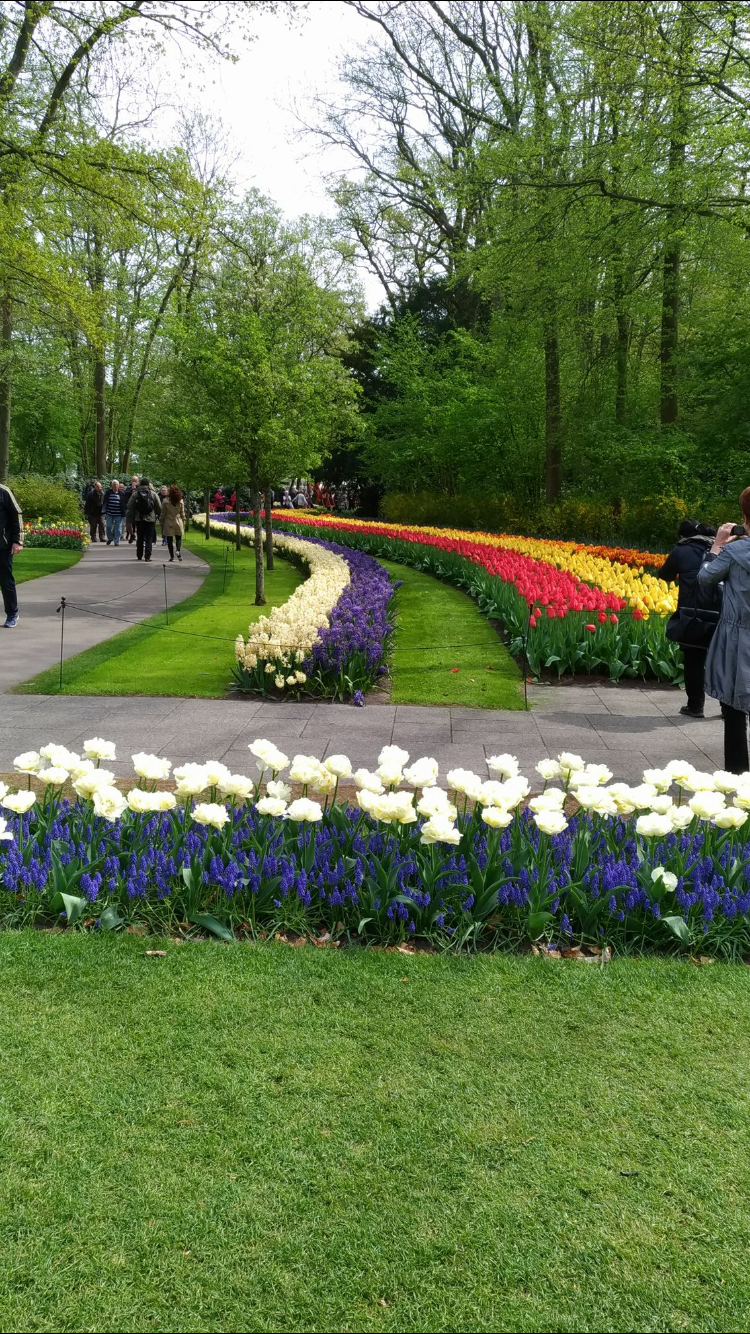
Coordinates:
138 505
297 494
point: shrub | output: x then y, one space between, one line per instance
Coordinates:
46 498
650 523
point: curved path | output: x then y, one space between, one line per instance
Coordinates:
116 589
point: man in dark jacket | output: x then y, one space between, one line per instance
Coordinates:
144 508
93 508
682 564
11 542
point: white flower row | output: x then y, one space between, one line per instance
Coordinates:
381 795
282 640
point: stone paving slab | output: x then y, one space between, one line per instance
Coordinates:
628 740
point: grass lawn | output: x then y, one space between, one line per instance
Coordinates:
36 561
439 629
147 661
237 1138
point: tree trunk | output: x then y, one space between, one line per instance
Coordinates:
100 407
621 367
670 309
100 415
672 256
5 386
237 536
269 530
260 577
552 415
207 504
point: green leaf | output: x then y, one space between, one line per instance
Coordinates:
110 918
679 928
70 904
536 923
210 924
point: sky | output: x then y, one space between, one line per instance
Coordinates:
259 98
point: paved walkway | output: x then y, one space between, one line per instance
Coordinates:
108 581
626 728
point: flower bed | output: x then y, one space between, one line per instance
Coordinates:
70 537
663 865
570 608
331 637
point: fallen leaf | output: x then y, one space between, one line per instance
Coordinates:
455 669
325 1132
383 1302
156 954
701 961
134 931
403 979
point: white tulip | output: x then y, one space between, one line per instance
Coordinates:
550 822
422 773
304 770
28 763
551 800
666 878
109 803
439 830
662 804
730 818
389 773
434 799
271 806
99 749
680 817
724 782
307 812
393 756
461 780
367 781
661 779
89 783
339 765
216 773
653 826
707 805
54 777
59 756
505 765
18 802
237 785
5 835
210 813
275 788
549 769
150 766
496 817
569 763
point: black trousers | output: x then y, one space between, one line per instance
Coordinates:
694 661
735 740
144 533
96 525
8 583
173 542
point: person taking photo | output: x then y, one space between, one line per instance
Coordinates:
728 658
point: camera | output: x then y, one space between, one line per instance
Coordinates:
739 530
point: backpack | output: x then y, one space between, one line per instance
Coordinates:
144 505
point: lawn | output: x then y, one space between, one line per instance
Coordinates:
147 660
446 652
36 561
239 1138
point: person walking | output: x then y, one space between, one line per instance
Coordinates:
11 542
696 614
130 491
173 521
163 493
94 511
728 659
113 513
144 508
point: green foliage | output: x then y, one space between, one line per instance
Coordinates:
45 498
35 562
650 523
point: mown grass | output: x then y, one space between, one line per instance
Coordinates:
151 659
33 562
446 652
262 1138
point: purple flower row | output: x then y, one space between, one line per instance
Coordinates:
489 891
350 654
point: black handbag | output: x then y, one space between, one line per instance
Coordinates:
693 627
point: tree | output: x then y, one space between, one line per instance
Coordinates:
257 382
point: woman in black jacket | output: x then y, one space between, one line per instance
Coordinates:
682 564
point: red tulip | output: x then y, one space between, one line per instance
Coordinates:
589 627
